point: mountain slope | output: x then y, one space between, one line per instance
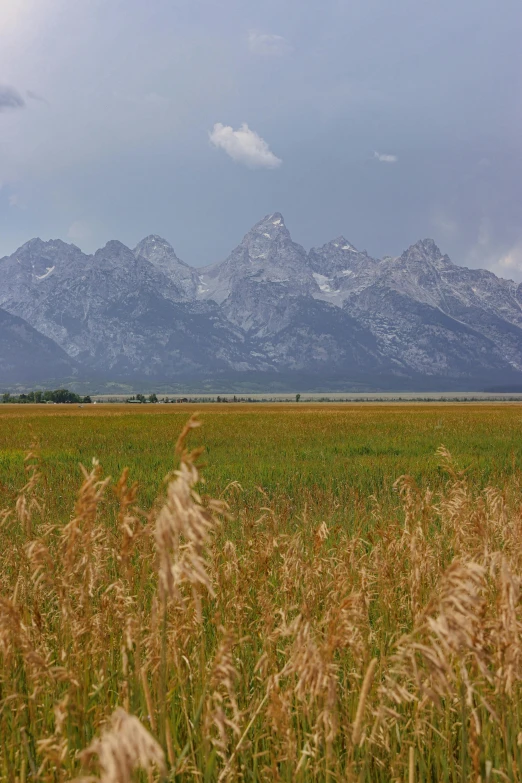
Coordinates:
118 314
270 309
422 339
472 297
27 356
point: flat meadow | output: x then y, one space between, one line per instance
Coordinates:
289 592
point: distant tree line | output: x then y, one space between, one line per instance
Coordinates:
58 396
141 398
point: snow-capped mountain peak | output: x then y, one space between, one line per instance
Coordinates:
266 254
341 243
154 246
429 247
272 229
161 255
38 260
423 251
345 269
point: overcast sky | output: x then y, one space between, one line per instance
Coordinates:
383 121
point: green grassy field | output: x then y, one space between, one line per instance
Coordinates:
316 455
334 624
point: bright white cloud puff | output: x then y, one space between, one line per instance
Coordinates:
244 146
268 44
385 158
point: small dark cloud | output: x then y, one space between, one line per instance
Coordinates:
34 96
10 98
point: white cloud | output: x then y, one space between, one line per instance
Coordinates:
268 44
504 260
244 146
510 263
385 158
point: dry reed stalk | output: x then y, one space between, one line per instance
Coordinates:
16 638
148 699
170 749
505 628
54 749
127 520
222 711
313 673
122 748
82 559
346 621
42 563
182 530
411 765
459 515
27 502
224 772
365 690
280 724
320 535
450 631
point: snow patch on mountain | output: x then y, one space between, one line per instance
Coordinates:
48 271
324 283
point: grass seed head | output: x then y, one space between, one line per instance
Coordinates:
123 747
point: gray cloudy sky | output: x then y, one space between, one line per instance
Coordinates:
383 121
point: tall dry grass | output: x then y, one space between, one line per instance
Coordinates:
177 644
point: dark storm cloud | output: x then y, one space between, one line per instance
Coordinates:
10 98
34 96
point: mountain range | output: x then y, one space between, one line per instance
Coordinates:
271 315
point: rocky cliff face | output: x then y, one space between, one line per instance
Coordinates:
162 256
117 313
267 254
427 311
269 308
339 270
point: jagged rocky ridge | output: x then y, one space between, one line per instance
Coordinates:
269 311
